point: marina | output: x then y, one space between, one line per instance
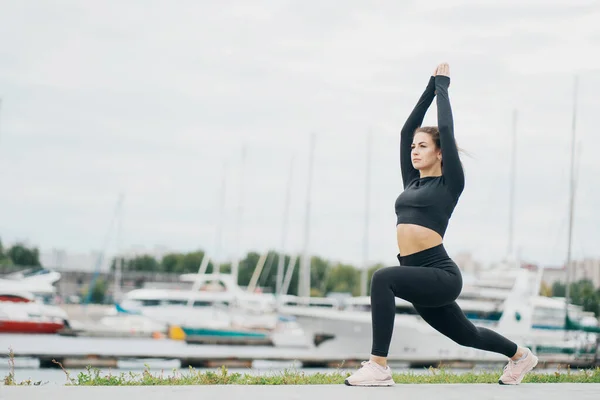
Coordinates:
213 322
73 352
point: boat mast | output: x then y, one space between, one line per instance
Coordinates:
571 198
513 170
219 227
304 281
364 272
236 260
119 260
100 258
281 260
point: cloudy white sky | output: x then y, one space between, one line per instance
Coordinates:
152 98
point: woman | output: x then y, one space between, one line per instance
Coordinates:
433 181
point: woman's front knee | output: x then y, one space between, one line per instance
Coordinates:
380 277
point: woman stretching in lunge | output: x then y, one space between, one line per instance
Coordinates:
427 277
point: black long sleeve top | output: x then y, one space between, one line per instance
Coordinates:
430 201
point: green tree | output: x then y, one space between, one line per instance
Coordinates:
580 290
319 271
172 263
143 263
190 263
344 278
246 268
98 291
225 268
22 255
268 275
587 296
582 293
4 259
559 289
113 263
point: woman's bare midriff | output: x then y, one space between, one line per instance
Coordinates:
414 238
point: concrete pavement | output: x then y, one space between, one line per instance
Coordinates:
549 391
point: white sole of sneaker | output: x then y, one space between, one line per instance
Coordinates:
389 382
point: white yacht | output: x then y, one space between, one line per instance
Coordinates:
217 298
510 306
214 309
26 303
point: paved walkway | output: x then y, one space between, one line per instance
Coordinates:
549 391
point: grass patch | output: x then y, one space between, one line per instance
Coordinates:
9 379
95 377
291 377
436 375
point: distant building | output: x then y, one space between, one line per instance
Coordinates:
467 264
554 274
587 268
62 260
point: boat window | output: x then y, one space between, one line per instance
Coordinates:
483 315
202 303
150 302
177 302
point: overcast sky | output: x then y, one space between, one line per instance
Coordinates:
152 98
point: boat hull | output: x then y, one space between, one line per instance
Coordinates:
30 327
226 336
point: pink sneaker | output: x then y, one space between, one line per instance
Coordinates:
514 371
371 374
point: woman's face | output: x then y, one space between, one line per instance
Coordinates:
424 152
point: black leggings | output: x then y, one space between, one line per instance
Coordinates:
432 287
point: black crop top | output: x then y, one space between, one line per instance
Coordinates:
430 201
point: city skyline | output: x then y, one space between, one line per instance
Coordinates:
60 258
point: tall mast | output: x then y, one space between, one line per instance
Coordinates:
119 260
364 272
571 197
513 171
238 231
281 260
304 281
219 227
